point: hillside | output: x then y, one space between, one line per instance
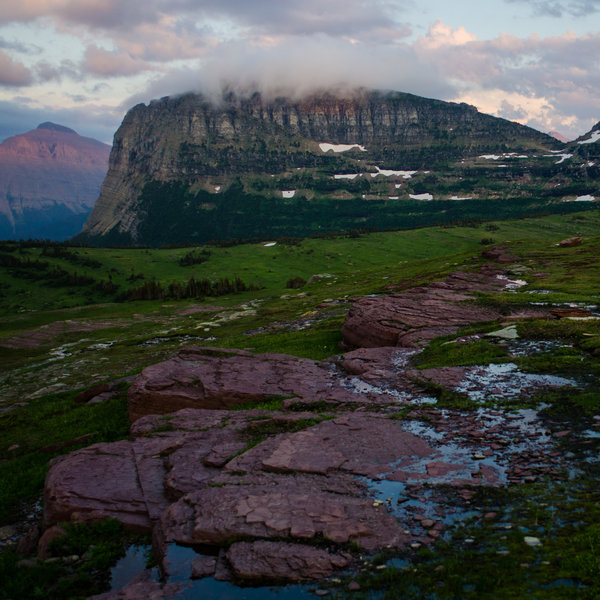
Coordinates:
186 169
49 181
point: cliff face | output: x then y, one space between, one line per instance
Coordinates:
49 180
204 145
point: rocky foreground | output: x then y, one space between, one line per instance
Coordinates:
356 458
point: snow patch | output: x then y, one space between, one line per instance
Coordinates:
461 198
269 244
390 173
595 136
288 193
421 196
563 156
586 198
347 176
490 156
325 147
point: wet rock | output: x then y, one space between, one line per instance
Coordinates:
264 561
215 515
203 566
7 532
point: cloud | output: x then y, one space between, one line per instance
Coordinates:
553 8
106 63
20 47
12 72
289 69
292 17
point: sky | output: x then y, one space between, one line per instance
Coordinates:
84 63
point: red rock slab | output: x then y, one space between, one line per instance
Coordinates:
360 444
186 466
263 561
409 319
215 516
96 483
217 379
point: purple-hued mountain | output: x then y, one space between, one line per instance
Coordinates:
50 178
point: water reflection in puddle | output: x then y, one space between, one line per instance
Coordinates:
132 564
497 381
179 560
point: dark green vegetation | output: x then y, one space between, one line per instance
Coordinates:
92 550
56 340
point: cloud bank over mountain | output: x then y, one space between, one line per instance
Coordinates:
102 57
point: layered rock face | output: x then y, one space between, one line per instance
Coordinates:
49 181
201 144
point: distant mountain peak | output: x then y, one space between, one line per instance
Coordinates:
557 135
55 127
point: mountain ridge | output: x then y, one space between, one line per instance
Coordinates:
202 147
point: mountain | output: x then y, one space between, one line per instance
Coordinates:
50 178
559 136
188 169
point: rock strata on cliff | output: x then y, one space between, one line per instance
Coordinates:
209 160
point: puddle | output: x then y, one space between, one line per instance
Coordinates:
486 448
503 381
358 386
179 560
533 347
131 565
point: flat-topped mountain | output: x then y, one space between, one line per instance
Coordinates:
188 169
49 180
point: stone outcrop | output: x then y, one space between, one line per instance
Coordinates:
415 317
